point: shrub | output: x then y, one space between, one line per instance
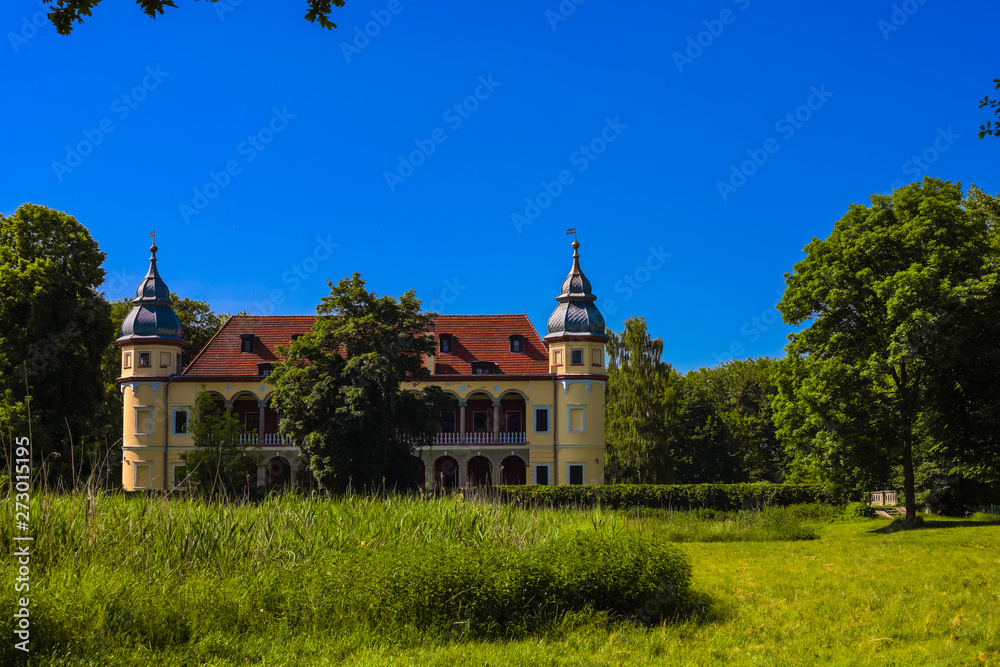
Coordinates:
859 511
723 497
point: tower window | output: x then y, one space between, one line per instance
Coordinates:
576 473
576 357
144 360
447 343
541 420
164 360
517 343
246 342
596 356
180 422
557 357
127 360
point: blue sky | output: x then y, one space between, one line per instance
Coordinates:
449 149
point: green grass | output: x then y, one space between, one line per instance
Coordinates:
298 581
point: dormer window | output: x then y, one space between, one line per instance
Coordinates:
263 370
517 343
483 368
295 337
447 342
246 342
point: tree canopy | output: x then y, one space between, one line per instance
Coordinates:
65 13
341 390
54 325
990 127
892 300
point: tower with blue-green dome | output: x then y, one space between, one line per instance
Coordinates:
151 341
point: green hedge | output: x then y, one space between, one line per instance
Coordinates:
724 497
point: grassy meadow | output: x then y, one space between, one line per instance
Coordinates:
121 580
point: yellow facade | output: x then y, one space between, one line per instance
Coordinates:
507 428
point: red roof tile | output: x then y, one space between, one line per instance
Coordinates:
477 338
487 338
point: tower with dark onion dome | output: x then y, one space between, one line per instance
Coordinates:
151 343
575 341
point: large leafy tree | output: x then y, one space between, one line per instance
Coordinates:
65 13
741 392
54 325
640 400
341 388
891 298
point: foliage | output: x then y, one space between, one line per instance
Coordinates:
198 322
54 325
639 405
220 465
887 300
859 510
340 388
65 13
723 497
991 128
120 579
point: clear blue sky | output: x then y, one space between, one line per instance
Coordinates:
309 122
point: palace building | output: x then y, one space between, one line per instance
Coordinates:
525 409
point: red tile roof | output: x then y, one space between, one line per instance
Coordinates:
222 357
487 338
477 338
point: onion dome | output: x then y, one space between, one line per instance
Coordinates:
576 313
151 315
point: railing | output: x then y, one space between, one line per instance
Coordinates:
266 440
479 439
883 498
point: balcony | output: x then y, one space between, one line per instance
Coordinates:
480 439
266 440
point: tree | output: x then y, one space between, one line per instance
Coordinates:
220 464
65 13
991 127
340 388
639 401
700 438
741 392
887 300
54 325
198 322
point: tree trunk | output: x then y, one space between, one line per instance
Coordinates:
908 484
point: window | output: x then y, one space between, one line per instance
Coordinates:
480 421
596 357
557 357
576 357
127 360
180 421
576 473
483 367
576 419
448 421
246 342
179 475
446 343
144 361
263 370
251 422
517 343
542 475
164 360
143 421
541 420
514 421
141 480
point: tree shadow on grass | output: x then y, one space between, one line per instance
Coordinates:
899 525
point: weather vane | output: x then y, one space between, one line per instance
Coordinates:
572 230
152 235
